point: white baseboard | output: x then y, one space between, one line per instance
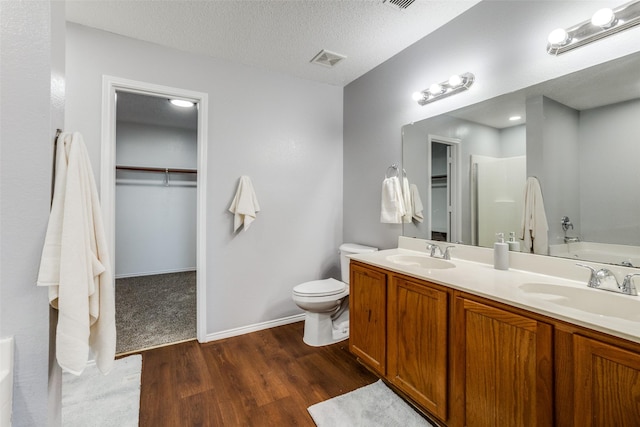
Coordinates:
152 273
253 328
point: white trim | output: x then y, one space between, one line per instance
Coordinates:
255 327
110 85
154 273
456 182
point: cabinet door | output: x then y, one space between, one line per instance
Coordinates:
417 343
504 367
367 316
607 384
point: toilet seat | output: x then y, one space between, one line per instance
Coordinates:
320 288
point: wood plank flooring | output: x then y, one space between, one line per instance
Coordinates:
266 378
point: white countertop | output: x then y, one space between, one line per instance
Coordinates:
481 279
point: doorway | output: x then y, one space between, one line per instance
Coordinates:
153 178
444 189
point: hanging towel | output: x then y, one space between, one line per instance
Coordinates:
416 203
244 205
75 263
534 227
392 203
406 200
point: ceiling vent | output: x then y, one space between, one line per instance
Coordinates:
398 4
328 59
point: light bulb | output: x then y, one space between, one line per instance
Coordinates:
559 36
603 18
435 89
417 96
455 80
181 103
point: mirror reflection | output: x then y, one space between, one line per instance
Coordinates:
577 135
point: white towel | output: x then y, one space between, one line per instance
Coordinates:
416 203
75 263
534 228
406 200
244 205
392 208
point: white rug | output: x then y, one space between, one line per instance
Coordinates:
96 400
370 406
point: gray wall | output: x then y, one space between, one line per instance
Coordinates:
32 87
155 224
513 141
284 132
508 54
610 174
552 157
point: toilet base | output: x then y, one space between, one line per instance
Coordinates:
320 329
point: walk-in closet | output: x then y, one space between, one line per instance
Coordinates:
155 221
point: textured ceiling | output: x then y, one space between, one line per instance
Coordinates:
279 35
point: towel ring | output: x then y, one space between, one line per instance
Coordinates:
394 167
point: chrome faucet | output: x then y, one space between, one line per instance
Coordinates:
566 225
606 276
436 252
628 287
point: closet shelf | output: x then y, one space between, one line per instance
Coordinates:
152 169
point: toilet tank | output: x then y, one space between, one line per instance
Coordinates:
349 249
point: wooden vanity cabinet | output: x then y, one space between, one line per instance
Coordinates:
368 316
470 361
597 379
502 366
417 342
607 389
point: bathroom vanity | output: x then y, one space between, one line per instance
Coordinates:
473 346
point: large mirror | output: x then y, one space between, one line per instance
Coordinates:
577 135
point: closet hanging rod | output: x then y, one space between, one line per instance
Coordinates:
151 169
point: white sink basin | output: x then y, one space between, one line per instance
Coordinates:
595 301
421 261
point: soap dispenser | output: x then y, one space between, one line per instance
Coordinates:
500 253
514 245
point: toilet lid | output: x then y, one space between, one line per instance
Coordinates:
320 288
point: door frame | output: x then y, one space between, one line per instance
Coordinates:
110 85
455 198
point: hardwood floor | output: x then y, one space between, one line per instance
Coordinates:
266 378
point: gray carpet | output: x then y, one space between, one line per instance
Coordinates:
369 406
96 400
155 310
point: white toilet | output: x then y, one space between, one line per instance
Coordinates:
326 302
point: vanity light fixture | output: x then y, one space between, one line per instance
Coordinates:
456 83
515 118
182 103
603 23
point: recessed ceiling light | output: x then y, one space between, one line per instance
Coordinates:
514 118
182 103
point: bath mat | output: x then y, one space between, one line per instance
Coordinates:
370 406
96 400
